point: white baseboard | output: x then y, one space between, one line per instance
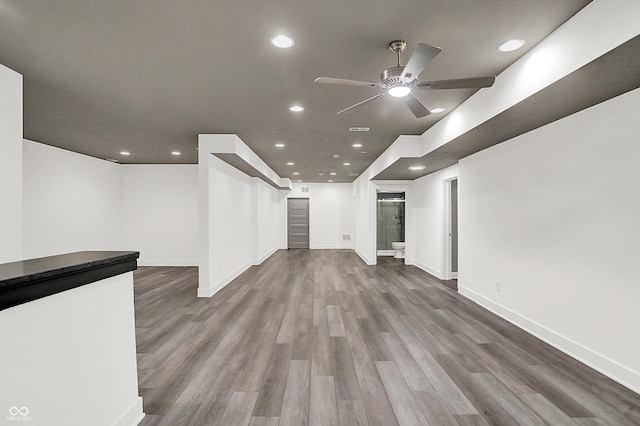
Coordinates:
133 415
436 273
265 257
610 368
206 292
220 284
365 259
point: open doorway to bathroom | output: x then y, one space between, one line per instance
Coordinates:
451 240
390 224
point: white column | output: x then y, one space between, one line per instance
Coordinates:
10 165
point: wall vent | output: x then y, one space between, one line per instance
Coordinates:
304 189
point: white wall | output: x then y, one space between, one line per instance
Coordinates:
268 206
70 358
72 202
242 218
11 246
365 220
430 222
331 209
160 213
553 216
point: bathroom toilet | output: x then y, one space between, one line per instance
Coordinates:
399 248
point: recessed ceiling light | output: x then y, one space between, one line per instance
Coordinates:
299 180
290 163
364 152
125 153
296 173
296 108
357 145
399 91
330 181
336 155
437 110
415 168
320 174
279 145
346 164
176 153
282 41
510 45
332 173
353 174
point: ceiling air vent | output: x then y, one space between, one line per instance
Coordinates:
358 129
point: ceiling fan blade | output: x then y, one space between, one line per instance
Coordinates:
422 55
366 101
343 81
416 106
458 83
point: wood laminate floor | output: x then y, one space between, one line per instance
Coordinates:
319 338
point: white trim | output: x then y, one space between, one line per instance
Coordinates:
206 292
610 368
364 258
447 262
133 415
210 291
216 287
265 256
426 268
446 225
406 187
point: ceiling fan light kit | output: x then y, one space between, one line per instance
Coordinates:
399 91
400 80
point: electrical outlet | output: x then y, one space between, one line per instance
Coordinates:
498 286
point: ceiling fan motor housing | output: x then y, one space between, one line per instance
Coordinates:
391 77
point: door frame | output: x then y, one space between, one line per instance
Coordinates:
394 186
447 234
308 219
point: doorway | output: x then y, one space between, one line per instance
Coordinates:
298 223
390 221
453 229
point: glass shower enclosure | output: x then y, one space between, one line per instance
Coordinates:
390 221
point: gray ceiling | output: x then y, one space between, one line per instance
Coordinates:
149 76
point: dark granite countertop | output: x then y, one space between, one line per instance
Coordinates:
32 279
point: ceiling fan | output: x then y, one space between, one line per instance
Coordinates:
399 81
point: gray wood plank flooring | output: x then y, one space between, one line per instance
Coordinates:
319 338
